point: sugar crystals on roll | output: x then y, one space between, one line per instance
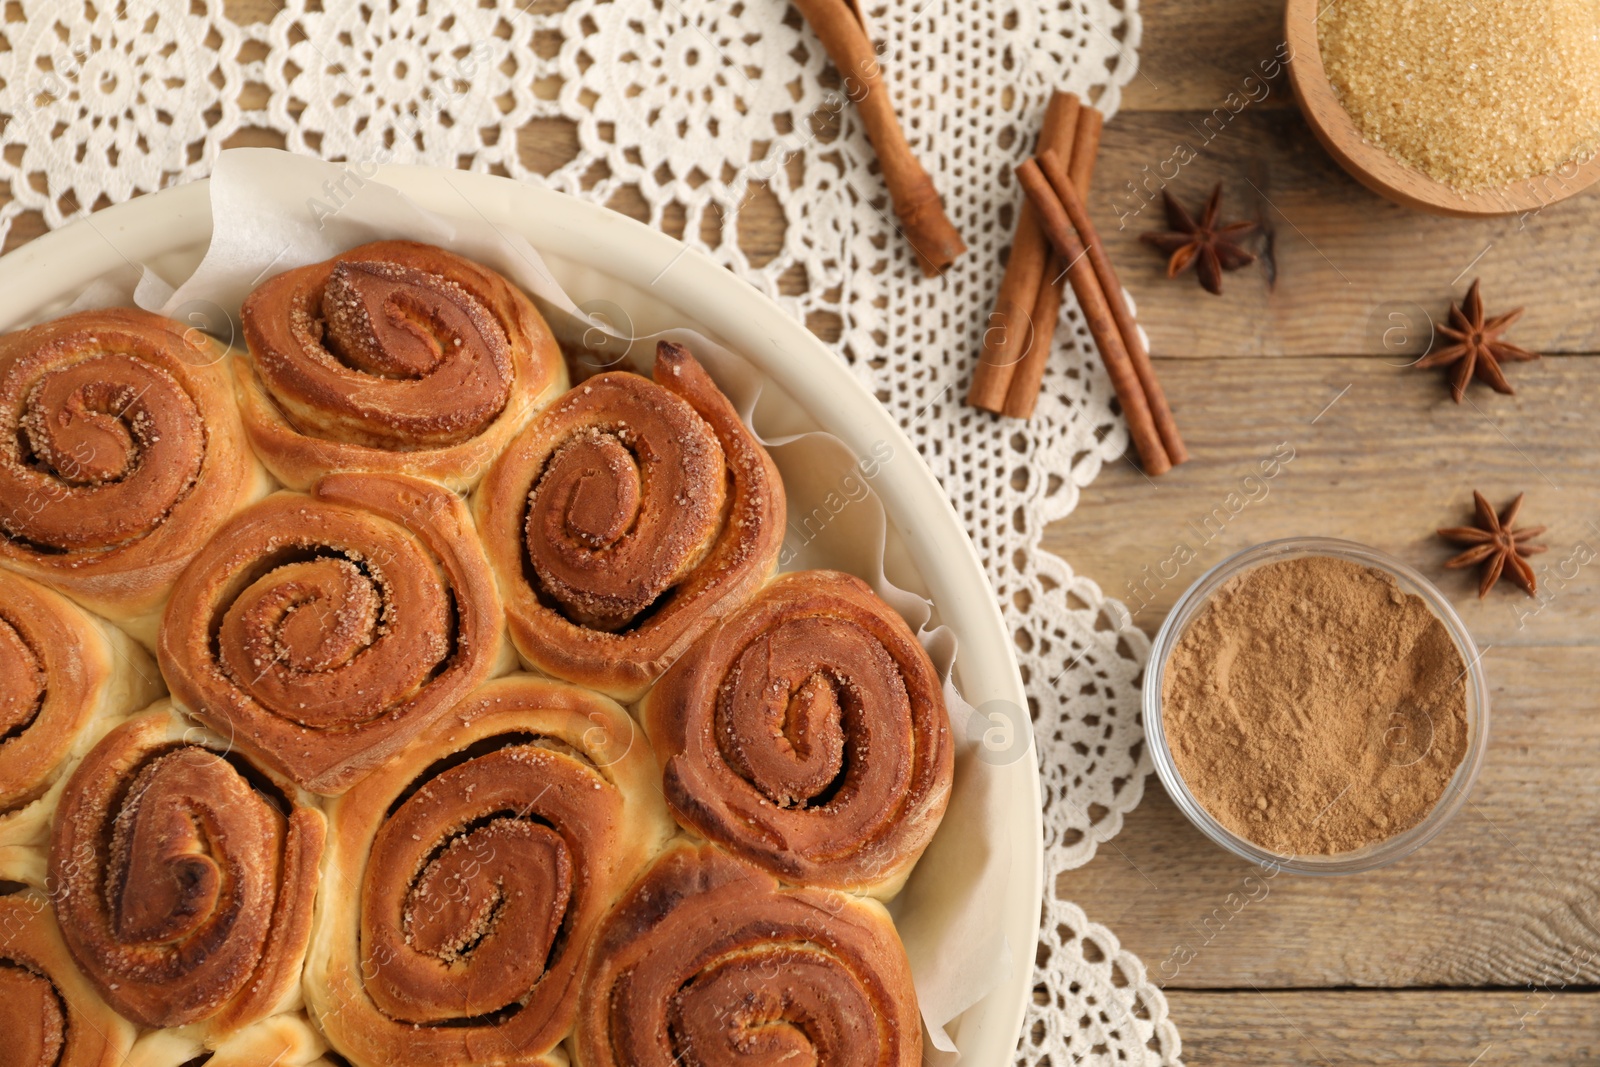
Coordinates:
625 520
121 453
395 356
322 632
50 1014
183 878
808 734
707 960
65 678
473 875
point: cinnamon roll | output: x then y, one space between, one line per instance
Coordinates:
808 734
471 877
65 677
626 519
183 877
322 632
394 356
121 452
50 1016
707 961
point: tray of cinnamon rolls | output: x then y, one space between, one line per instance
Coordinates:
389 686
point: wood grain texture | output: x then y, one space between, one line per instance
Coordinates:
1380 455
1335 260
1193 53
1417 1029
1509 895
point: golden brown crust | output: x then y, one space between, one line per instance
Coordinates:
395 356
66 677
320 633
121 452
707 960
183 879
60 669
808 734
423 955
626 519
50 1015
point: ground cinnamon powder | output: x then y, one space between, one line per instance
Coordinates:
1314 707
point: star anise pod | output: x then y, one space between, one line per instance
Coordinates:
1209 248
1497 544
1477 348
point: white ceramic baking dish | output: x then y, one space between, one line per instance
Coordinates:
598 255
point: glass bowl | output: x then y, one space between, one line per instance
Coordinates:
1367 857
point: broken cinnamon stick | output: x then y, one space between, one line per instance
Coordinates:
1023 395
916 202
1097 314
1012 327
1066 189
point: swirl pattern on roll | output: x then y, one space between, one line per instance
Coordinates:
121 452
808 734
183 877
322 632
477 869
394 356
627 518
707 962
60 670
50 1015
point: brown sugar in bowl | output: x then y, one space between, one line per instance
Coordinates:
1386 175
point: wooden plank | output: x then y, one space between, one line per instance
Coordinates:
1380 455
245 12
1193 53
1338 263
1336 260
1419 1029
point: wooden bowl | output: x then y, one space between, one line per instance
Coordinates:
1383 173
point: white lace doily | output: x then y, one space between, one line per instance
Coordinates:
698 106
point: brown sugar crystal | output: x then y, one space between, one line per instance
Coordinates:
1474 93
1314 707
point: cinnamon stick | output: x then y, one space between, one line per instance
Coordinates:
1071 199
1085 149
1097 314
1012 327
1023 394
916 202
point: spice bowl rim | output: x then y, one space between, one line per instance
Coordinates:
1369 857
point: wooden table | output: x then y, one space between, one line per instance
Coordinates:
1485 947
